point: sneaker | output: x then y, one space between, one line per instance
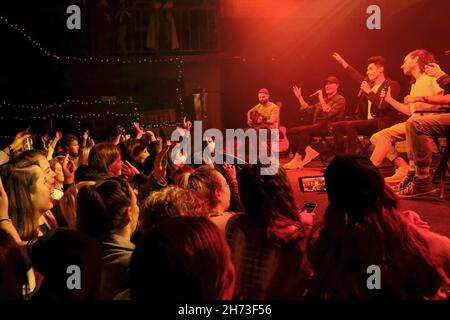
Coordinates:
417 188
310 155
295 163
404 183
398 176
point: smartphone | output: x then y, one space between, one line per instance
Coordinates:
309 207
312 184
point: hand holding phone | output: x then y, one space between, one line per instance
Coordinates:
307 214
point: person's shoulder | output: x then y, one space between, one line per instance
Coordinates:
339 98
390 82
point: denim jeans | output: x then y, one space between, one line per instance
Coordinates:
421 130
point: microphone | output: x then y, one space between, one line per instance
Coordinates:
314 94
366 78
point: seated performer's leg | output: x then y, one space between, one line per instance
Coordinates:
292 135
339 131
420 132
384 141
354 128
301 137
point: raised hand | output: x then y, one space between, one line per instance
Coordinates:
85 135
120 129
129 171
434 70
339 59
19 139
230 171
297 91
387 95
137 127
150 135
69 168
160 164
187 124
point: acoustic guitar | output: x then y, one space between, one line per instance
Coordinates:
258 122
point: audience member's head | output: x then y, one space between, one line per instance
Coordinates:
171 202
211 185
70 262
29 198
30 156
356 187
68 203
105 158
134 151
70 145
13 269
362 228
177 175
269 200
106 208
182 258
87 173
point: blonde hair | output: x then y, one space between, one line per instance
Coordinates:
205 180
84 155
172 202
21 184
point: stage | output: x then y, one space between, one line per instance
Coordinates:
433 210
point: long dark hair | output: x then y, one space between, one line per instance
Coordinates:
102 155
101 207
362 227
268 199
182 258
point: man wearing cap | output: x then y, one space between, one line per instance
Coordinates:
327 110
265 114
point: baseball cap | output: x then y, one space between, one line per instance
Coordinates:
332 79
263 90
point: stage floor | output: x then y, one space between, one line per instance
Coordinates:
430 208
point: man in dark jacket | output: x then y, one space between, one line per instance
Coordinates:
328 110
372 113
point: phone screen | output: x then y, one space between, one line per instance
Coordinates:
312 184
309 207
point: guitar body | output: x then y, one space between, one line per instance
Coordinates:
258 123
284 142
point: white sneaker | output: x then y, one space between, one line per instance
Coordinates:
310 155
398 176
295 163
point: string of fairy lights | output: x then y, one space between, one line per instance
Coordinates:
68 102
73 59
